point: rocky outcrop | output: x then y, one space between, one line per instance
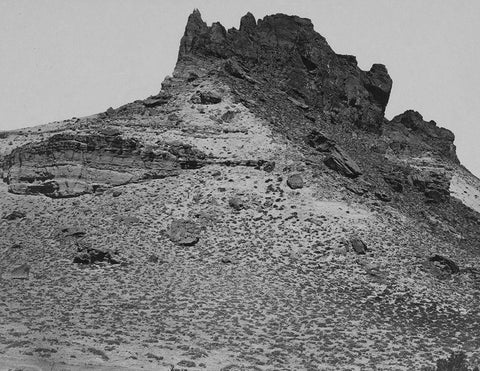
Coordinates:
286 51
409 133
434 185
67 165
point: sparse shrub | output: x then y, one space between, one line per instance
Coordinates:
456 362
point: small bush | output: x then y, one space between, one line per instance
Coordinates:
456 362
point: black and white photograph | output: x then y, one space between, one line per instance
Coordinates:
207 185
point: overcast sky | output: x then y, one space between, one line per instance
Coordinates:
70 58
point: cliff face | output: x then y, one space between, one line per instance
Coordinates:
287 50
68 165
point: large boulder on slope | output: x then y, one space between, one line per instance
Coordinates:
342 163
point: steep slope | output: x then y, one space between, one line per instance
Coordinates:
259 213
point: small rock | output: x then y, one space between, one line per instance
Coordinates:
184 232
268 166
76 232
233 68
153 356
298 103
295 181
383 197
21 271
116 193
15 215
186 363
153 258
206 97
236 203
227 260
319 141
394 182
91 255
358 246
228 116
445 264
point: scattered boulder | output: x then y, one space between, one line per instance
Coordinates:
445 264
227 260
267 166
383 197
357 189
15 215
91 255
358 246
157 100
228 116
206 97
342 163
298 103
295 181
153 258
232 66
116 193
236 203
319 141
75 232
394 182
21 272
184 232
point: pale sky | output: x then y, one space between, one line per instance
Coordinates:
71 58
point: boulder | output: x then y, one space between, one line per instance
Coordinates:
233 68
445 264
358 246
236 203
93 255
342 163
21 271
15 215
319 141
206 97
295 181
157 100
383 197
76 232
395 182
184 232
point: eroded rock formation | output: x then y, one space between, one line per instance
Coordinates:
288 46
67 165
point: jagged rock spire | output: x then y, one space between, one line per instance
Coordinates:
291 50
247 23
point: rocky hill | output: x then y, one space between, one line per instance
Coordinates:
258 213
